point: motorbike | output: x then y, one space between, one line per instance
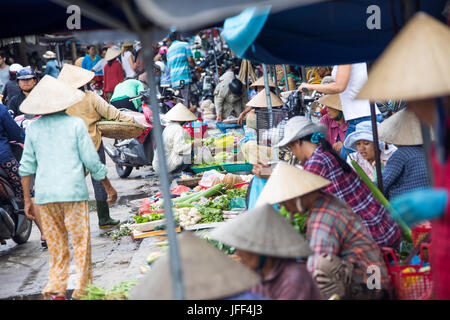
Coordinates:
96 85
13 222
137 152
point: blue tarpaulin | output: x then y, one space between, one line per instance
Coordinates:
325 33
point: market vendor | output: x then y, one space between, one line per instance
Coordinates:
406 168
257 86
431 104
269 245
361 141
334 120
343 249
259 101
92 109
175 138
208 274
307 141
229 96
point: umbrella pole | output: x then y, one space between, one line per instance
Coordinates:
376 147
215 57
267 89
286 85
175 265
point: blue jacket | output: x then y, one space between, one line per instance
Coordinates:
9 131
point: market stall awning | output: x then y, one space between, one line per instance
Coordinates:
324 33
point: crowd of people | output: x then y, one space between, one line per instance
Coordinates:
347 225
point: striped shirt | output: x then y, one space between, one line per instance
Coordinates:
350 188
333 228
405 171
177 61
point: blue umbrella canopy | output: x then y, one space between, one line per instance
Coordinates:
324 33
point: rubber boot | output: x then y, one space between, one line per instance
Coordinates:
105 222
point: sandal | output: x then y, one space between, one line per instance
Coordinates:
55 297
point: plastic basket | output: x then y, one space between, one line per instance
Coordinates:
409 284
419 232
222 126
207 168
195 130
237 167
266 134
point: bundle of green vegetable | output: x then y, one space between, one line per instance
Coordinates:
118 292
380 197
210 214
222 247
195 197
149 217
298 222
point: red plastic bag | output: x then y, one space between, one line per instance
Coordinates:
180 189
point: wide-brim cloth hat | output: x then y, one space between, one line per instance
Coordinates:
263 231
112 54
49 55
402 128
299 127
75 76
420 55
50 95
15 67
207 273
288 182
260 100
363 131
332 101
180 113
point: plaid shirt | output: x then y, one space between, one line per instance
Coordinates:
350 188
405 171
440 234
333 228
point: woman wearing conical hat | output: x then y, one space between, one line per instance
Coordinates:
207 273
58 148
307 141
425 43
343 249
259 102
406 168
92 109
178 150
269 245
334 120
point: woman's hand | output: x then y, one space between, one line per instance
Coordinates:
305 85
29 210
262 170
337 146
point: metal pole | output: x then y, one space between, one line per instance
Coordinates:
376 146
303 70
215 56
58 56
286 85
426 136
175 265
267 89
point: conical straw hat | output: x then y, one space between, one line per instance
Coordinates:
75 76
332 101
180 113
260 83
264 231
260 100
288 182
207 273
402 128
50 95
414 66
112 54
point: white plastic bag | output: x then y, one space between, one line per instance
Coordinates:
209 177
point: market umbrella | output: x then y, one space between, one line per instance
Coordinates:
324 33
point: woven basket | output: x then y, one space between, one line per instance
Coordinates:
120 130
